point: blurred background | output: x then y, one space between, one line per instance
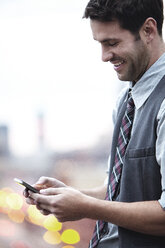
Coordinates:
56 102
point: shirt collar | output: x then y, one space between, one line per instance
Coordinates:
145 86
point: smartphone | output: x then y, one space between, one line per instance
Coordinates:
26 185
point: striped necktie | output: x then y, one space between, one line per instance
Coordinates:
114 180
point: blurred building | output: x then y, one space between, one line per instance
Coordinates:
4 140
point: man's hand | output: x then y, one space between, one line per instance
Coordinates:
66 203
43 183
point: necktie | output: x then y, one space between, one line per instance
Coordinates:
114 180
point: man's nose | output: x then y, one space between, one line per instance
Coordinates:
106 55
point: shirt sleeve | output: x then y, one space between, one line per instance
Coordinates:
162 200
160 149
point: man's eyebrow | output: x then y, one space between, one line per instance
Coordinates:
106 40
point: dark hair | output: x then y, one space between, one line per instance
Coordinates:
131 14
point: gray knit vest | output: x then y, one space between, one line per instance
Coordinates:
141 179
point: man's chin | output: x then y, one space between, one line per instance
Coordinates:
122 77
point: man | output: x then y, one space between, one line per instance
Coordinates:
130 34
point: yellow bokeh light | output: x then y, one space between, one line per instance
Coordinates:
35 216
52 237
3 196
52 224
70 236
16 216
14 201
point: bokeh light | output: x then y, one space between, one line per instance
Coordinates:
52 224
3 196
70 236
13 205
7 229
34 215
18 244
68 246
14 201
16 216
52 237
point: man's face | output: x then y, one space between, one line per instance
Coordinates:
129 55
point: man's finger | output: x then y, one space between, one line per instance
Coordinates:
51 191
46 208
39 198
30 201
45 212
47 181
26 193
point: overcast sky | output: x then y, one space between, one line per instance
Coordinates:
50 63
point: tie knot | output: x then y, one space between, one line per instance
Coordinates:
130 102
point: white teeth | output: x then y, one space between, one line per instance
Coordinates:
119 63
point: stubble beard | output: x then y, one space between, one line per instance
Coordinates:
137 65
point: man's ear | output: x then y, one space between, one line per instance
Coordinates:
149 29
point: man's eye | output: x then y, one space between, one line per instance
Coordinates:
113 44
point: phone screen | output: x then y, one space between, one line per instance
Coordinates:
26 185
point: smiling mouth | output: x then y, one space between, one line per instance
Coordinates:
118 65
